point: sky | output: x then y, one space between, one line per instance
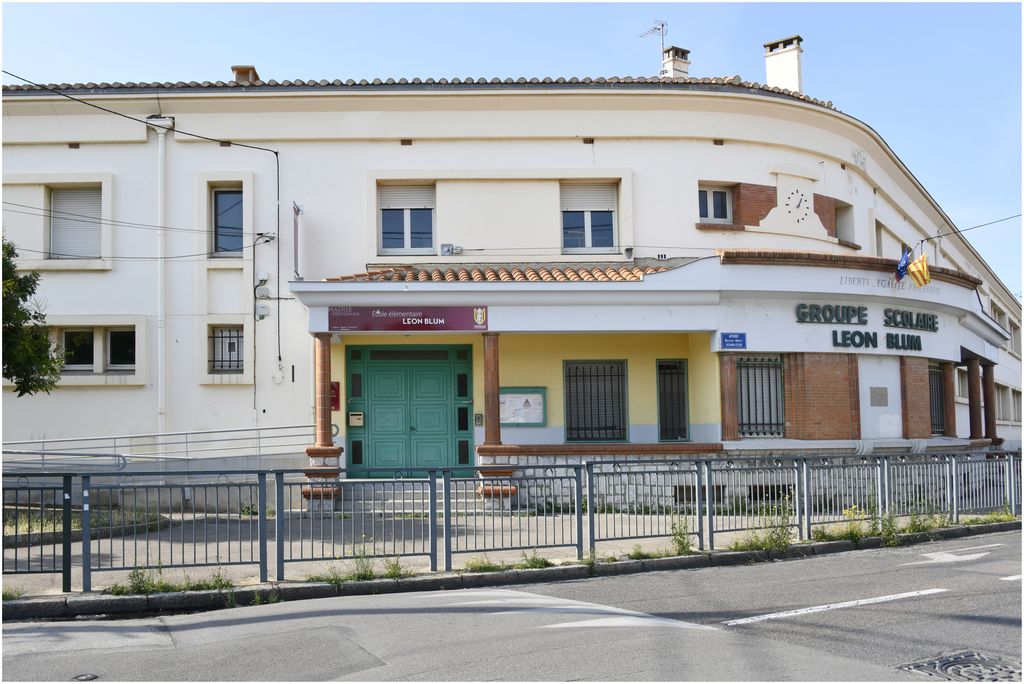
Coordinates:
940 82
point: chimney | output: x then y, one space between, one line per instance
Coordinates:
244 73
675 62
782 63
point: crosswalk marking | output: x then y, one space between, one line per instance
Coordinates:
831 606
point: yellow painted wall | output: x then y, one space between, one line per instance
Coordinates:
535 360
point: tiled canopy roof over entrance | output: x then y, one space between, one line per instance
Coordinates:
480 273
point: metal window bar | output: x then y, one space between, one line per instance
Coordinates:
595 400
761 409
936 398
672 413
226 349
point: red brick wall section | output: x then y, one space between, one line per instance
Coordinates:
751 203
822 396
825 208
914 397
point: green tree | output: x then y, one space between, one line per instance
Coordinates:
29 360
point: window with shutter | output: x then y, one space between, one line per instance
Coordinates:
75 223
406 219
588 217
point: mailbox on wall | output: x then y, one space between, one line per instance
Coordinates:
335 396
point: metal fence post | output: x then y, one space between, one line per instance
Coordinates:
86 541
798 496
1008 481
66 536
578 472
954 477
279 526
1015 475
709 495
432 488
886 485
699 504
949 484
261 527
446 503
808 505
591 504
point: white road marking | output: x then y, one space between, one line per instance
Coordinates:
947 557
831 606
629 621
521 602
1011 577
972 548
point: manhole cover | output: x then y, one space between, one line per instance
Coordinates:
968 666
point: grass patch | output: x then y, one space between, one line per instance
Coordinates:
993 517
142 581
11 593
925 523
533 562
393 569
776 536
35 521
484 564
332 576
639 554
682 544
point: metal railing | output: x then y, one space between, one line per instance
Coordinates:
274 518
74 452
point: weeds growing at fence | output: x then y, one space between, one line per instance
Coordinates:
777 534
639 554
993 517
682 544
141 581
533 561
484 564
11 593
252 510
363 565
332 576
393 569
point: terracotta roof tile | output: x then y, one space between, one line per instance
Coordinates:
628 82
503 273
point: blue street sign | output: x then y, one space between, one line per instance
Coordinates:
734 340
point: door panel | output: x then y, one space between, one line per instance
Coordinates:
388 420
388 384
431 420
430 451
387 453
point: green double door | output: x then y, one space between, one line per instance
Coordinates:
416 406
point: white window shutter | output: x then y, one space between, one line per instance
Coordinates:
75 228
405 196
588 196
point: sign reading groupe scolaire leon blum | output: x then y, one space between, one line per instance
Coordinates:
407 319
733 340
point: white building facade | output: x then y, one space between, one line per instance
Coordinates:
448 273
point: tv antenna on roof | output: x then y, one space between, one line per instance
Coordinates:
661 28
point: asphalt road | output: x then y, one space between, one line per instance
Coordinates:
709 624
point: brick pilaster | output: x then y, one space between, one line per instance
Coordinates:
915 398
324 457
727 383
974 396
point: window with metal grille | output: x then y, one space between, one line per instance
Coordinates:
937 400
672 419
595 401
226 349
761 408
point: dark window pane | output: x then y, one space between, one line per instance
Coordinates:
463 452
357 452
721 206
392 228
702 198
461 354
78 347
122 348
422 228
573 230
462 385
409 355
356 385
357 354
601 229
672 420
227 220
463 418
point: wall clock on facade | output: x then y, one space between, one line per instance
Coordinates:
798 205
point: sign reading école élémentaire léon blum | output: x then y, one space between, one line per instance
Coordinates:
407 319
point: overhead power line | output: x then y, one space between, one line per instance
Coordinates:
174 257
84 218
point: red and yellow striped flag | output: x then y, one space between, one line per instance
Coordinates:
918 270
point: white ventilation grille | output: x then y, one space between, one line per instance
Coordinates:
75 228
405 196
588 196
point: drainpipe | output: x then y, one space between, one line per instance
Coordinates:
161 125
